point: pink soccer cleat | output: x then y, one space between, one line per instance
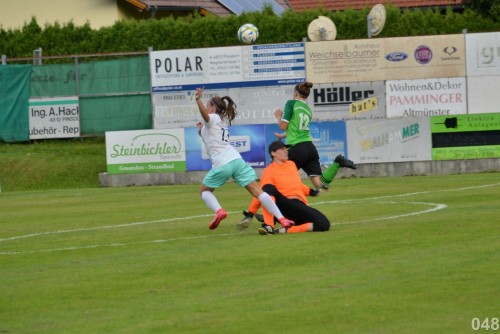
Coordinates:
221 214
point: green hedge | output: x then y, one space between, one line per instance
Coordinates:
200 32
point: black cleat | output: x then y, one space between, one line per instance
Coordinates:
266 229
343 162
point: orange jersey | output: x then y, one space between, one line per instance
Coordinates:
286 178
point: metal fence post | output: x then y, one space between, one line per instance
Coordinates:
37 57
77 77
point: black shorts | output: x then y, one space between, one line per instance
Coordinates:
306 157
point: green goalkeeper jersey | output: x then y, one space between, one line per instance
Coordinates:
299 116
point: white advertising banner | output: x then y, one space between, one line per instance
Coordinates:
385 59
483 54
227 67
254 105
259 78
389 140
426 97
483 94
419 57
55 117
145 151
344 61
334 101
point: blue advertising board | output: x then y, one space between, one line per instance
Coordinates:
252 142
247 139
328 137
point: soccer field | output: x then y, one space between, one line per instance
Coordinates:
403 255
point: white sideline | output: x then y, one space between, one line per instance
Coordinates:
435 207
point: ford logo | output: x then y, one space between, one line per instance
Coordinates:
396 56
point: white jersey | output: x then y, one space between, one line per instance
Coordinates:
215 136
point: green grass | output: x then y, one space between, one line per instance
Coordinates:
52 164
404 255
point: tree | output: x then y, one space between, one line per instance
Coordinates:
490 8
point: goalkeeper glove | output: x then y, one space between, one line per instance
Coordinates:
313 192
245 222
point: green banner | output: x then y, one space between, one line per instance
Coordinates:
471 136
462 123
471 152
114 94
147 167
14 97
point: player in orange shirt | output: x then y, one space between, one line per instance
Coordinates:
281 180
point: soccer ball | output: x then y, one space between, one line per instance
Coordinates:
248 33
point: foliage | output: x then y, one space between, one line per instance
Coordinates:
199 32
489 8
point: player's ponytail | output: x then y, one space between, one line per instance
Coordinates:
225 107
304 89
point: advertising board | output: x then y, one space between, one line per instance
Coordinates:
483 54
465 136
254 76
335 101
396 58
426 97
246 139
145 151
389 140
54 117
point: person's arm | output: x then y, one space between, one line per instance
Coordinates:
284 116
280 135
199 125
201 106
278 113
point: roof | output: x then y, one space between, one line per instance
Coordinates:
229 7
218 8
205 6
300 5
240 6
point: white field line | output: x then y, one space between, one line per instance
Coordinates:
435 207
119 244
86 229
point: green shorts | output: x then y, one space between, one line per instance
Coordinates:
237 169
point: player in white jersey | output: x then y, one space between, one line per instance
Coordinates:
227 163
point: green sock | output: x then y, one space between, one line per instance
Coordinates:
329 174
